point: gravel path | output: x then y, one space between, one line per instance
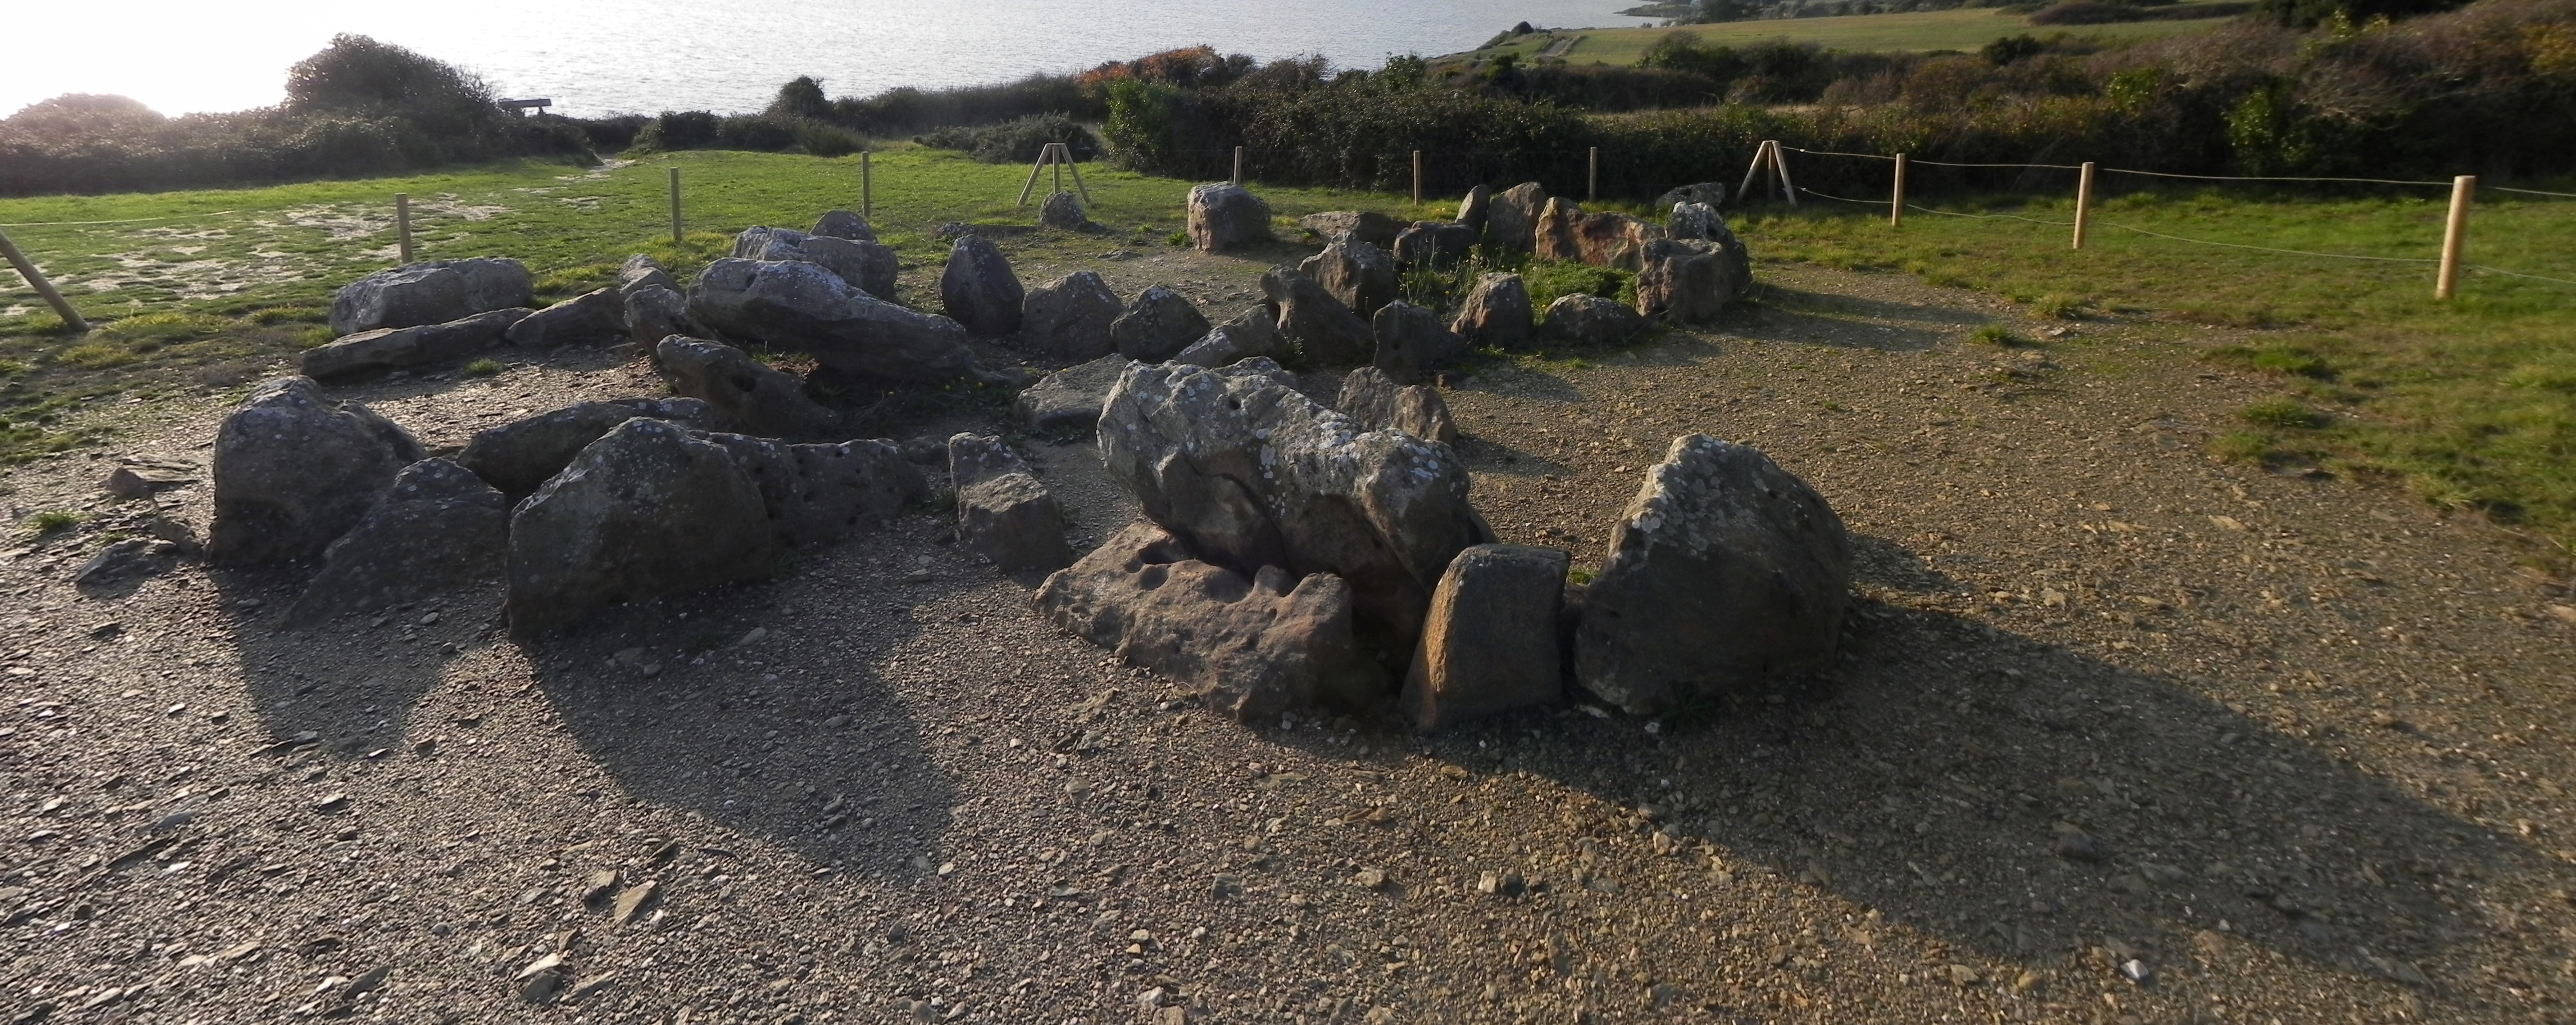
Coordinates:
2121 734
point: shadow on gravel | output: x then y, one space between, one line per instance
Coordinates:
2030 801
351 682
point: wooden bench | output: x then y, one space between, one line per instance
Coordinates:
522 107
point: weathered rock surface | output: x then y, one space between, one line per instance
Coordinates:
294 471
1581 319
1687 281
1724 571
861 263
1554 237
1250 473
978 288
1359 274
797 305
1496 313
844 224
1368 226
1003 512
439 528
1063 212
1475 208
596 317
1251 334
1158 325
391 347
1613 240
1070 399
1512 221
816 493
654 313
1224 216
1375 402
1070 318
429 293
1411 340
644 512
518 457
1251 646
641 271
1433 243
125 561
1318 323
1696 221
1711 194
1490 643
746 395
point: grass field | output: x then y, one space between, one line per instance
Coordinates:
2470 403
1963 28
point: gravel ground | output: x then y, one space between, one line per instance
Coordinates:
2121 734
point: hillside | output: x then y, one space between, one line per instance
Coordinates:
1962 28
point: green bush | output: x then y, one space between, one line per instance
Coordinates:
1017 141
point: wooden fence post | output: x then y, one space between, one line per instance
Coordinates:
867 188
675 206
1417 177
1761 154
1592 176
2083 202
1066 150
1896 203
1780 162
36 280
2455 235
402 225
1238 166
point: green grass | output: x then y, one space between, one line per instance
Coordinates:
1996 334
482 368
51 520
2282 412
1963 28
2471 403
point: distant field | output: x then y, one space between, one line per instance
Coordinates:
1965 28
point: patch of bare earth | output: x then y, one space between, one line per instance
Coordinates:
2120 734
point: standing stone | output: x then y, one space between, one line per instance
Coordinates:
654 313
979 290
1433 244
1490 643
795 305
596 317
518 457
1724 571
1554 237
1328 332
439 528
1696 221
1157 326
1688 281
1224 216
745 394
1376 402
1069 319
1063 212
1590 320
644 512
844 224
1496 313
422 345
1252 647
1476 209
1003 513
429 293
1420 411
294 471
862 264
1512 223
1411 340
1069 399
1368 226
1251 334
1361 275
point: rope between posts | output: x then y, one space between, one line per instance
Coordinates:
130 220
2269 249
2519 274
2531 192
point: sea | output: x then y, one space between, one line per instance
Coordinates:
594 57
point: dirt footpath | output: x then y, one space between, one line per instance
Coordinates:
2121 734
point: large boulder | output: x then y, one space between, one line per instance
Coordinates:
1613 240
439 528
654 313
644 512
845 225
746 395
1224 216
861 263
1724 571
1376 402
1475 209
1368 226
1511 223
1590 320
1433 244
1251 334
1251 646
1496 313
1157 326
1696 221
1554 237
1003 513
1359 274
294 471
519 456
1690 280
1070 318
797 305
396 347
815 493
1064 213
1490 643
978 289
429 293
1320 325
1411 340
1250 473
596 317
1070 399
1710 194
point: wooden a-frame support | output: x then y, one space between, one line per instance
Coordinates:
1061 156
